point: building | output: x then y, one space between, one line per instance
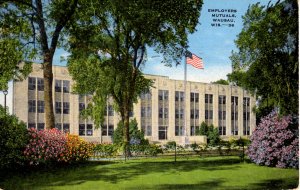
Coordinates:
160 114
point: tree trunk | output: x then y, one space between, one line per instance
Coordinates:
48 82
126 132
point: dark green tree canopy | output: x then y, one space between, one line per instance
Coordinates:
32 30
221 81
108 46
266 62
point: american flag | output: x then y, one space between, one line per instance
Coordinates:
194 60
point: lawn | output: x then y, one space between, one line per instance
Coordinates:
157 173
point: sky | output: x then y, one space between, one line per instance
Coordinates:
213 44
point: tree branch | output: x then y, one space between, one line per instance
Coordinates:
41 23
61 24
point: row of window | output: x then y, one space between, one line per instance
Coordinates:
38 83
194 97
39 107
87 130
65 127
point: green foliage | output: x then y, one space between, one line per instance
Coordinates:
212 133
136 136
32 31
203 130
106 150
14 137
221 81
266 62
170 145
108 46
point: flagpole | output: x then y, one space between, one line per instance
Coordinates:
185 97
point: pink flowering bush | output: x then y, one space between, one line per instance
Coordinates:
46 146
53 146
274 142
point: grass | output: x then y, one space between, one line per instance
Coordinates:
157 173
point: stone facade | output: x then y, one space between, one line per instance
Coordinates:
160 114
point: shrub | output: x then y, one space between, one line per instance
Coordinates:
274 142
77 149
212 133
53 146
46 146
153 150
13 139
106 150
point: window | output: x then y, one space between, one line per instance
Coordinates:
143 111
40 84
234 100
194 130
163 94
31 125
208 98
57 107
194 114
31 106
145 96
107 130
104 130
89 130
208 114
222 99
40 126
84 130
246 102
179 130
234 115
81 106
179 113
57 85
81 129
163 113
109 110
148 130
41 106
194 97
208 108
246 116
162 132
66 127
110 130
66 86
58 126
179 96
222 130
66 107
31 83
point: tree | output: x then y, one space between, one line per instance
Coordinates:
135 134
32 29
211 132
266 62
221 81
108 47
